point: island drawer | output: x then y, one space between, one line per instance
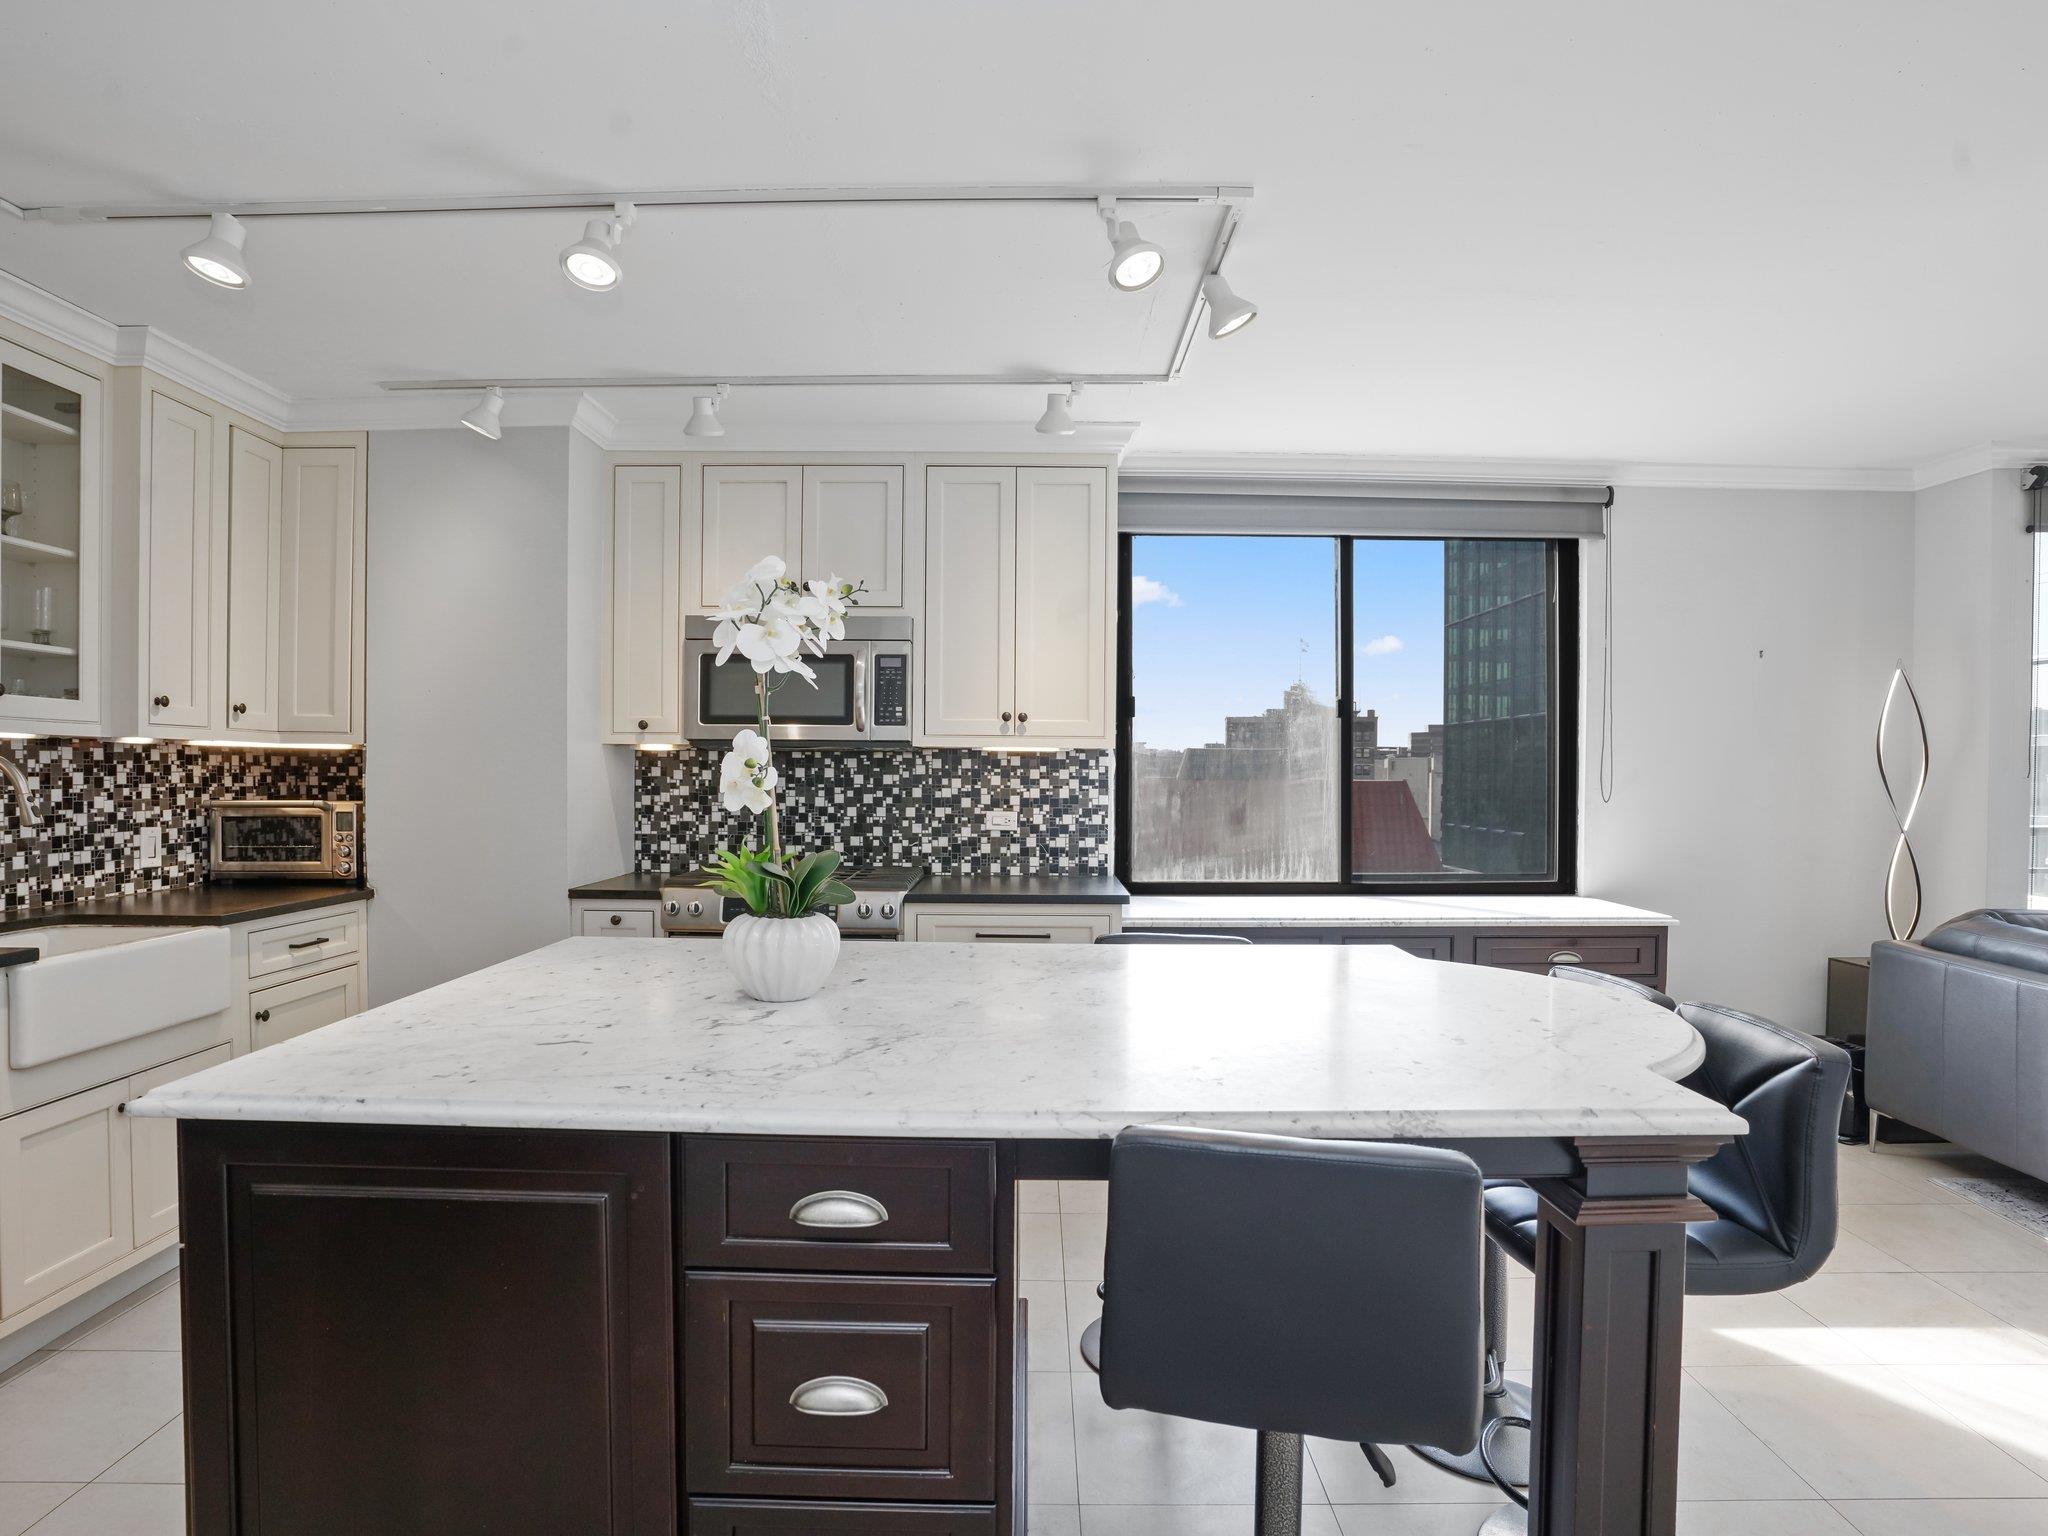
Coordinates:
806 1386
900 1207
776 1517
1617 952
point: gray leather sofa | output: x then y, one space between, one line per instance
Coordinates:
1958 1035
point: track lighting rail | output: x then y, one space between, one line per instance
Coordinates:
780 381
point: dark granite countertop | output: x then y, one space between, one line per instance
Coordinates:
641 886
213 905
1022 890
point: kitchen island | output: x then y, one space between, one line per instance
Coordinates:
588 1241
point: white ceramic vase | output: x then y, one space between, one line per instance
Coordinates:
781 959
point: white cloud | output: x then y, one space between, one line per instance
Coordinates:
1386 645
1145 590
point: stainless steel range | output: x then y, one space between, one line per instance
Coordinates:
876 911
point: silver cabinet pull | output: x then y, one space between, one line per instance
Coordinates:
838 1208
1567 957
838 1397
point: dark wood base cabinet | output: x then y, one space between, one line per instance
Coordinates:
399 1331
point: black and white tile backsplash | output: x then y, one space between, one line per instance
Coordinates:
96 795
910 805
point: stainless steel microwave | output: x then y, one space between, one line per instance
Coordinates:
862 696
283 839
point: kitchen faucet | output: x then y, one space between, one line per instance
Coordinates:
30 816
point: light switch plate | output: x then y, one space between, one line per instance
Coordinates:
1002 821
149 848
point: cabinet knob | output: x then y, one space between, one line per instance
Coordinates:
262 1015
1022 717
241 709
162 701
616 919
1006 717
643 725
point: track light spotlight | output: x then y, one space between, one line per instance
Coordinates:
1058 420
484 419
1227 312
1134 263
704 420
593 262
218 258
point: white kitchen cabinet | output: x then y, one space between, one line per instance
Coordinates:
302 1004
1064 545
975 923
748 512
51 448
643 654
66 1206
970 635
177 566
853 529
318 579
1019 606
256 477
153 1149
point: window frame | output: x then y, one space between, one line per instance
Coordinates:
1567 638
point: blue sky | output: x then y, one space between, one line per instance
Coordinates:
1221 626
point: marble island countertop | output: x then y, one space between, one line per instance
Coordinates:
986 1040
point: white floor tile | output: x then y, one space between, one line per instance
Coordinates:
1946 1237
1133 1457
1193 1520
151 1324
1765 1330
1948 1517
1348 1478
1863 1432
23 1504
1050 1466
1852 1255
118 1509
2006 1404
1038 1247
78 1413
1081 1240
1721 1458
1908 1319
1083 1197
2019 1299
1053 1520
1083 1307
1776 1517
159 1459
1038 1196
1409 1519
1045 1303
1865 1180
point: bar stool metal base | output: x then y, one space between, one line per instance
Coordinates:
1506 1521
1277 1511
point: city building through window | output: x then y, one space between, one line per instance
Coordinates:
1309 713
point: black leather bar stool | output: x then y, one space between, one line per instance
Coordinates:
1772 1189
1151 937
1293 1287
1594 978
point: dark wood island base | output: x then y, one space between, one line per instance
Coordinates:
429 1332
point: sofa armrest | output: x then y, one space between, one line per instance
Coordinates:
1903 1048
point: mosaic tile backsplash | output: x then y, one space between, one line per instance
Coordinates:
96 795
910 805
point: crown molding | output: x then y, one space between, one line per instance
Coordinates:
426 411
1521 471
142 346
59 319
1974 461
911 437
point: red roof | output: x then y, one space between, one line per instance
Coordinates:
1388 834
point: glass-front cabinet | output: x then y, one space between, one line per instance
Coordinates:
49 539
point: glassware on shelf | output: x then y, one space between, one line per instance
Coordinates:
42 606
12 504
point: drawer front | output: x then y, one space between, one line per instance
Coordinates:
615 922
1636 953
317 940
773 1517
919 1208
1424 946
999 928
840 1388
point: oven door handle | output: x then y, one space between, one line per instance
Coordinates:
860 693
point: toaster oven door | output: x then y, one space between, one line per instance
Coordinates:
275 840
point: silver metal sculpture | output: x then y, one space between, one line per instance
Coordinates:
1902 850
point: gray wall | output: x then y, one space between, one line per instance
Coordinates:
474 550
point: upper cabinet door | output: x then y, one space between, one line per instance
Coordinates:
1063 603
178 537
749 513
316 595
853 528
255 550
644 654
970 632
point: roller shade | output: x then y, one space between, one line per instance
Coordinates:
1428 509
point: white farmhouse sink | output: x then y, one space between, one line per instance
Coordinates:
97 986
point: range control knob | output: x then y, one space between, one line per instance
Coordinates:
696 909
672 907
888 909
863 910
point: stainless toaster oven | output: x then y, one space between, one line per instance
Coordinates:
283 839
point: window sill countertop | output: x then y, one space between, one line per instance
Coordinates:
1389 912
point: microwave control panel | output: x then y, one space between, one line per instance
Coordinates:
892 690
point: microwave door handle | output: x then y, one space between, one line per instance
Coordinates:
860 692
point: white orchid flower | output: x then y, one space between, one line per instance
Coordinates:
746 777
765 576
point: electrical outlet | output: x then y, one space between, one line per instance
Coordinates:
1001 821
149 848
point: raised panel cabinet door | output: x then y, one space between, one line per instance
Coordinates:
853 528
749 512
179 565
1064 618
646 586
255 550
65 1208
316 606
153 1148
295 1007
970 639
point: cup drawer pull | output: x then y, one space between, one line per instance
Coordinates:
838 1397
1566 957
838 1208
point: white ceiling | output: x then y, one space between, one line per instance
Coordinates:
1596 233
